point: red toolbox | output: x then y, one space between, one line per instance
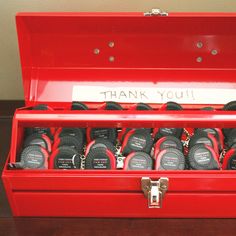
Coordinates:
151 57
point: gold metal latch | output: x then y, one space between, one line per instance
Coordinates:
156 12
154 190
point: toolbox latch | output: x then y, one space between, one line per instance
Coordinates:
156 12
154 190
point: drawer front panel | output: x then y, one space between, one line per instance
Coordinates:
72 204
183 181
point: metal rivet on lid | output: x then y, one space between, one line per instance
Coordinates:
199 59
199 44
111 58
96 51
214 52
111 44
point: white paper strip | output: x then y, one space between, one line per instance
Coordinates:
153 95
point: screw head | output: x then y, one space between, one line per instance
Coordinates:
111 44
214 52
96 51
111 58
199 59
199 44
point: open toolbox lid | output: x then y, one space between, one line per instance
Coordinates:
94 57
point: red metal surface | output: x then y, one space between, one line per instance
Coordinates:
124 205
57 52
127 118
118 193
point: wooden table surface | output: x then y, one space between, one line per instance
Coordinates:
94 226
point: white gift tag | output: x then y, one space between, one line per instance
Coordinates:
132 94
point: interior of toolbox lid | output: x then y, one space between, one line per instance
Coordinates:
64 53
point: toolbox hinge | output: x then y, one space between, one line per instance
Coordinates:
156 12
154 190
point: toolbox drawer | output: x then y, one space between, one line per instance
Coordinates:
109 204
119 193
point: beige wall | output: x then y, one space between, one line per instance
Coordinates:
10 73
